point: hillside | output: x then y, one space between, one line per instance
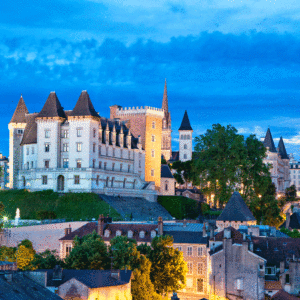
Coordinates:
71 206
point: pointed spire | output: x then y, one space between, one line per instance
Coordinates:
165 104
282 150
268 142
185 124
52 108
84 106
20 112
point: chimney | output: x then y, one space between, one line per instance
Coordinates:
128 140
68 230
287 221
107 134
204 234
115 274
160 226
57 273
184 222
281 267
227 233
100 225
212 234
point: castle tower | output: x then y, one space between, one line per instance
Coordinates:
166 145
286 164
145 122
16 128
185 139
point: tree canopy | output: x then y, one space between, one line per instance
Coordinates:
46 260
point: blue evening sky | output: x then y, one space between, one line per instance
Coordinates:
226 61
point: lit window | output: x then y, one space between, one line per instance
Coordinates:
152 172
79 147
47 133
44 180
118 233
66 147
200 268
79 132
47 147
142 234
65 163
190 268
189 251
76 179
130 234
153 125
47 163
78 163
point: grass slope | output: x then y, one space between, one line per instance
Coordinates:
180 207
74 206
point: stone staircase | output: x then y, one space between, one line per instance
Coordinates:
139 208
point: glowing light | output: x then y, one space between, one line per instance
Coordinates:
5 219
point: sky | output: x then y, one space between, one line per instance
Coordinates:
225 61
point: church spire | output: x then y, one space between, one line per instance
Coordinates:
268 142
165 105
20 112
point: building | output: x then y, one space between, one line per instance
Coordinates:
4 172
167 186
76 151
279 160
295 174
85 284
235 213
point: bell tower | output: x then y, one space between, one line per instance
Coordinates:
185 139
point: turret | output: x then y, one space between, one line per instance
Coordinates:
128 140
185 139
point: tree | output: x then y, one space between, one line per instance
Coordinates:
8 253
46 260
291 193
185 172
24 258
1 214
168 269
89 252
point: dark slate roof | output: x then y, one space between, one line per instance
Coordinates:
136 228
282 150
236 210
20 112
187 237
166 172
275 250
90 278
185 124
30 132
174 156
52 108
268 142
84 106
294 221
235 235
23 288
283 295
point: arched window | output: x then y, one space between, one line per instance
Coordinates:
153 233
130 234
106 233
185 146
142 234
118 233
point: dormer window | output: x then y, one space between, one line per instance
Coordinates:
106 233
153 234
130 234
118 233
142 234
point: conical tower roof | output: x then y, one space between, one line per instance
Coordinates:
84 106
236 210
185 124
20 112
268 142
282 150
52 108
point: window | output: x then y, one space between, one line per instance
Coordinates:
201 251
142 234
94 163
105 165
190 268
287 278
179 248
65 163
152 172
121 167
78 163
66 147
185 146
153 234
239 284
44 180
153 153
79 132
200 285
100 164
97 180
27 164
79 147
113 166
32 150
76 179
99 150
200 268
65 134
128 168
114 152
153 138
47 133
27 151
68 249
94 147
32 165
185 156
189 251
153 125
20 131
188 137
47 147
118 233
106 233
140 163
47 163
130 234
94 133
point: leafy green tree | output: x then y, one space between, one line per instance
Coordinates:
47 260
8 253
27 243
185 172
168 270
291 193
89 252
